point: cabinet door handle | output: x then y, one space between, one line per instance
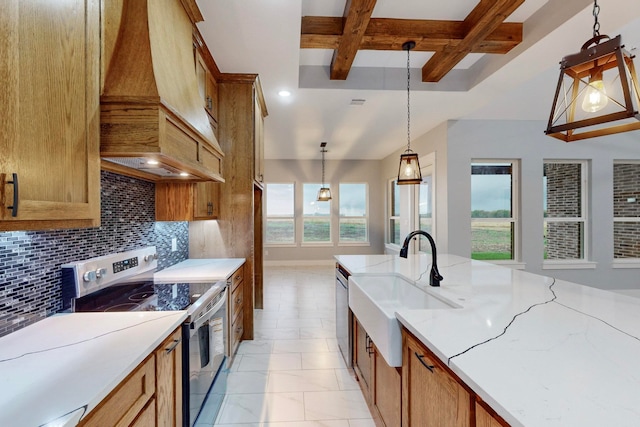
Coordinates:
238 301
14 207
173 346
209 103
209 208
421 359
237 277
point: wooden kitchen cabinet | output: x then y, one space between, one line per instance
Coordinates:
431 395
208 89
258 149
124 405
236 310
150 396
169 381
49 69
485 417
379 382
185 201
362 363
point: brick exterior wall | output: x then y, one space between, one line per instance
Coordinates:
626 235
564 239
30 276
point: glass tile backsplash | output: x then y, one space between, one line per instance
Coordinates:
30 284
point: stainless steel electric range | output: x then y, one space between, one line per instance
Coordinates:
124 282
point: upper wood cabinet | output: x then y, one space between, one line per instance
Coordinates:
150 106
208 90
49 103
187 201
259 113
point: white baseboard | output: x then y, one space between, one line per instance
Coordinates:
292 263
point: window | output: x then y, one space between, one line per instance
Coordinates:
493 210
280 224
353 213
626 210
393 198
316 220
564 210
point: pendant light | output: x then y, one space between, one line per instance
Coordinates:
409 169
324 193
597 87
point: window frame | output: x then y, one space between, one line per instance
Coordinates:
628 262
329 217
514 219
572 263
366 216
292 218
389 230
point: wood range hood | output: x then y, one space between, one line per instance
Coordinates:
153 124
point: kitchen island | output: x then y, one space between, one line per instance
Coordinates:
538 351
56 371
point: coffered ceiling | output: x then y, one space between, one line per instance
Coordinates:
342 61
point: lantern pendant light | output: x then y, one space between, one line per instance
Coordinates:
409 169
324 193
597 87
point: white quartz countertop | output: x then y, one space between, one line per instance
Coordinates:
539 351
196 270
57 370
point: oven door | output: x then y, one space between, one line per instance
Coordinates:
207 374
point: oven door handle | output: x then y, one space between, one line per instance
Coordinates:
207 316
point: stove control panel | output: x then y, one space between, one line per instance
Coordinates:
125 264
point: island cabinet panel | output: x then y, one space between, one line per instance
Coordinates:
431 395
485 417
146 418
386 396
169 381
126 403
362 363
49 141
379 382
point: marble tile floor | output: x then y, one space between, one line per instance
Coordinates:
292 374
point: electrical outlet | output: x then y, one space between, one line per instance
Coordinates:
174 290
174 244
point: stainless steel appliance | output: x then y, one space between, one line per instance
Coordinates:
344 323
124 282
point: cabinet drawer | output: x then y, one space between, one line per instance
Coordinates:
236 278
123 404
236 301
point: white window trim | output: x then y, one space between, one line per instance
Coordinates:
515 211
389 216
585 262
626 262
366 217
279 217
329 218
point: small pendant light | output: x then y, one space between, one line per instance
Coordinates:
324 193
597 87
409 169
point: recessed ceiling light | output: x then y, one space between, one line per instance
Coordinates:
184 174
357 101
284 93
152 162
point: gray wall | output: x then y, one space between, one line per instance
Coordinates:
336 171
525 140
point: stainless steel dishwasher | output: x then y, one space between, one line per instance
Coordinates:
344 323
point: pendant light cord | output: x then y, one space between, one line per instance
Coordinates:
596 24
408 101
323 151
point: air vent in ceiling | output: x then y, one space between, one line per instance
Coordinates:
357 101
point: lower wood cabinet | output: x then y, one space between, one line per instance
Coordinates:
431 395
380 383
484 417
149 396
235 286
169 381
